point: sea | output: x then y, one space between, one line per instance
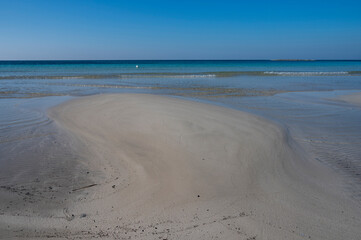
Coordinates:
300 96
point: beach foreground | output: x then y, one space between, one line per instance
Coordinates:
167 168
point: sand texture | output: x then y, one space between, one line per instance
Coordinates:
354 98
167 168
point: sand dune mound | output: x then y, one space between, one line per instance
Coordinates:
167 168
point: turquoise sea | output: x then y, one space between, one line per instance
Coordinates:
212 78
298 95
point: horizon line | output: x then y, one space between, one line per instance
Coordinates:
296 59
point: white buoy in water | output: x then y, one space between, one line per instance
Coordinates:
136 66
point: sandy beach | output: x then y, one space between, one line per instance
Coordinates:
166 168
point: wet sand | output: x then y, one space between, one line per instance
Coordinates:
165 168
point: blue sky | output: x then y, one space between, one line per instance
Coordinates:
89 29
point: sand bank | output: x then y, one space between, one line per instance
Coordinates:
354 98
166 168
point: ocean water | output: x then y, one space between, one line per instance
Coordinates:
75 78
299 95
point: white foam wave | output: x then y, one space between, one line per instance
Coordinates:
306 73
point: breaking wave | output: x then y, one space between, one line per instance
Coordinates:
183 75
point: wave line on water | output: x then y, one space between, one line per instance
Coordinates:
185 75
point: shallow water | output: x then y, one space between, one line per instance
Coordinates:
299 97
329 130
28 138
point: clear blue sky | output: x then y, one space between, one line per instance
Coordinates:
138 29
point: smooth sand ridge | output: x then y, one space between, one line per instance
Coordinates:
168 168
354 98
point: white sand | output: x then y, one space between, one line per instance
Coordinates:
173 169
354 98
